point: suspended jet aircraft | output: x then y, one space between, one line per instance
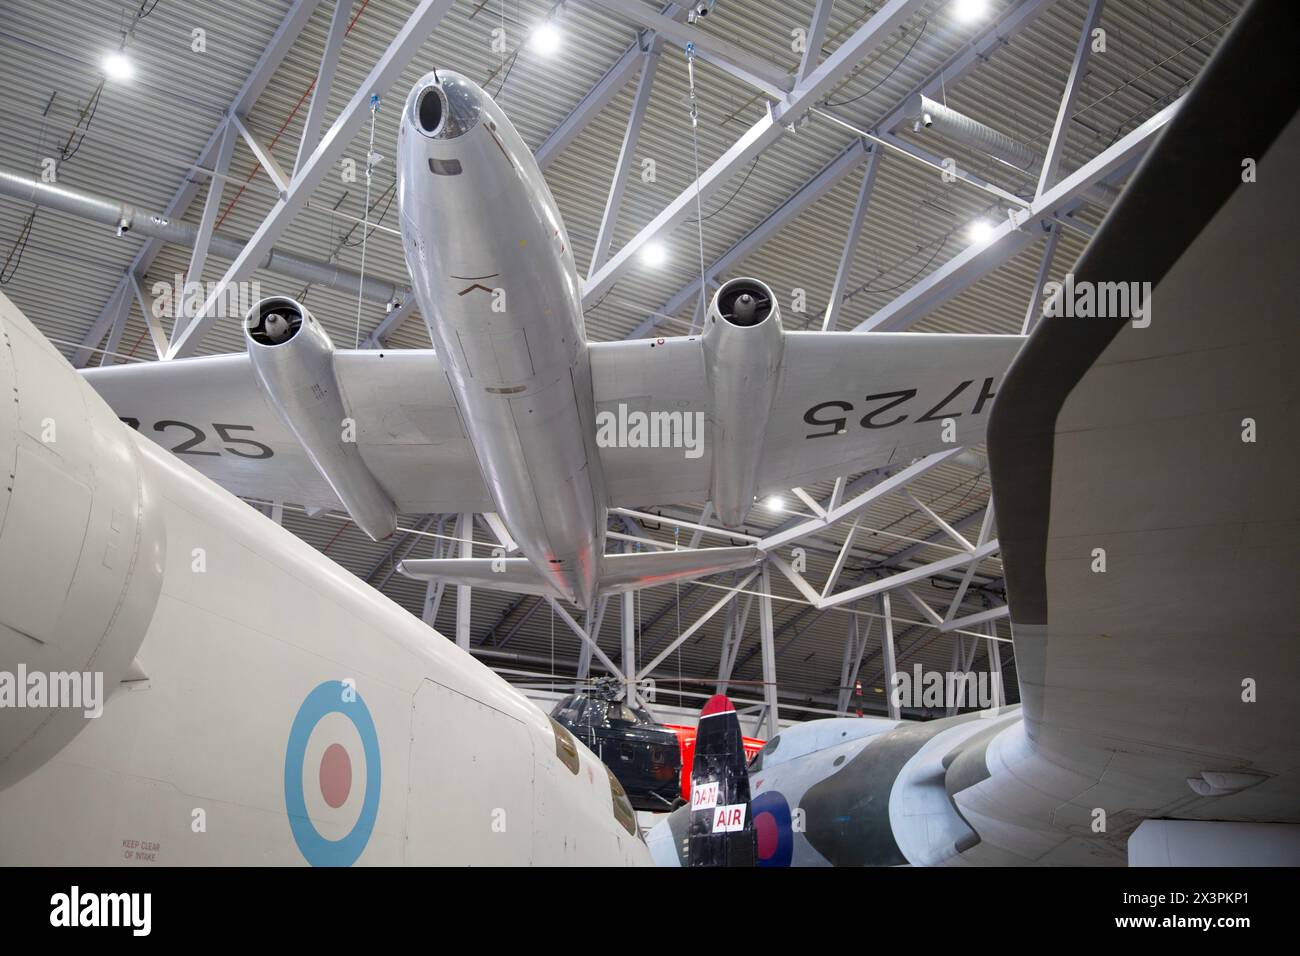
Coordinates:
1144 478
182 681
513 411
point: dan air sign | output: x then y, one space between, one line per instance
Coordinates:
729 819
704 796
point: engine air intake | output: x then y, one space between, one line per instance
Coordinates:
273 321
744 303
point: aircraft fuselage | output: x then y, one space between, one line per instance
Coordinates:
496 282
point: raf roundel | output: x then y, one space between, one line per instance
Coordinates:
773 834
335 775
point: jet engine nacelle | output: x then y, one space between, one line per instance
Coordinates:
75 608
293 358
743 345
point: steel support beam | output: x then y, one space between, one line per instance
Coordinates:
967 57
887 653
849 252
263 155
992 614
755 140
1047 177
809 193
855 645
986 528
768 651
315 167
731 648
909 576
595 618
1035 309
1012 234
629 646
699 623
320 97
650 62
995 667
740 63
273 55
858 502
391 323
207 222
151 321
602 94
118 310
815 38
586 638
464 593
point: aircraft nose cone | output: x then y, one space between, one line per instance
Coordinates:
445 105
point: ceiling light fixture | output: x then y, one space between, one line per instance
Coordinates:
979 231
968 11
546 38
117 66
654 255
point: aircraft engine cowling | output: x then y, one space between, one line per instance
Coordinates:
293 358
743 346
82 546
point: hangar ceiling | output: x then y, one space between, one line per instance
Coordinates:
783 216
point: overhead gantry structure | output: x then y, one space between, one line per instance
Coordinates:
791 99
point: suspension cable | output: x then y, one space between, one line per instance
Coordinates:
695 146
365 213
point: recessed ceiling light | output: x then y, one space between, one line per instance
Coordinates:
117 66
546 38
979 231
654 255
967 11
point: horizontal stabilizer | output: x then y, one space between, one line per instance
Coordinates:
626 572
492 574
619 572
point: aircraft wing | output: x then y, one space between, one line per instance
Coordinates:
1164 682
851 401
845 402
211 412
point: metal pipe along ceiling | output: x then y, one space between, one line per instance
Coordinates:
936 117
122 216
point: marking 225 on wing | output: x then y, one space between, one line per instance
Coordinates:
189 445
834 415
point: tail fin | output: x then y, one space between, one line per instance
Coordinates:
618 572
721 832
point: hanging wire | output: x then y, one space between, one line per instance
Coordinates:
699 207
677 536
365 226
901 60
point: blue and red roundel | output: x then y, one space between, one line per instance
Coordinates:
773 837
332 747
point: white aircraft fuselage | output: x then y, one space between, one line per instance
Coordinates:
182 681
495 278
